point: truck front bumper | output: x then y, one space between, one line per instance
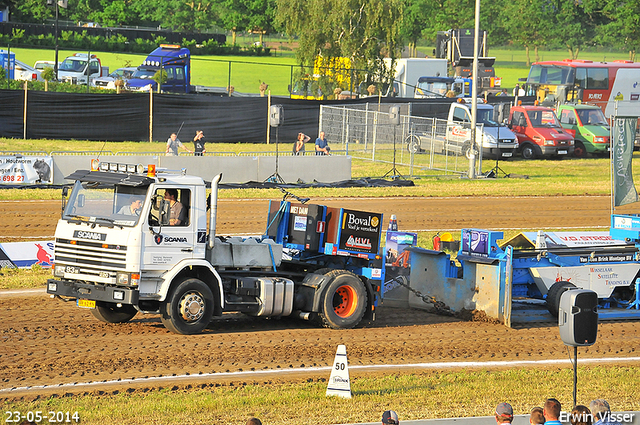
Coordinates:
556 150
86 291
500 153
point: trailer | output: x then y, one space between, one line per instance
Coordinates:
516 282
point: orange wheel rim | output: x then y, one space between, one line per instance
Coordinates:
345 301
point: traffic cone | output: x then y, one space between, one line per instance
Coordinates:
339 383
393 223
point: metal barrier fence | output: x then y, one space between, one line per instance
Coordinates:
421 144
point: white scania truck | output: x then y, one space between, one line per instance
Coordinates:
117 253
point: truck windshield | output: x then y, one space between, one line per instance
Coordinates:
592 117
73 65
485 116
431 89
551 74
144 73
119 205
543 119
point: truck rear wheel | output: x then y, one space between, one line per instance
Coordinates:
189 308
554 294
110 313
579 151
345 300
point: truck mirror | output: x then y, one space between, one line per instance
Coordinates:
65 191
289 88
81 200
165 212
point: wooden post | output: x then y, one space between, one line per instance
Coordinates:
150 113
24 118
268 116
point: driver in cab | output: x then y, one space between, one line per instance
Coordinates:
176 217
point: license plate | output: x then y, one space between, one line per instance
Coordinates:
86 303
507 154
71 269
562 152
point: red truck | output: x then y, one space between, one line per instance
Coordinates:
539 132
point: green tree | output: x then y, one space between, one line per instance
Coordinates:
572 26
528 23
262 15
234 16
178 15
621 26
363 31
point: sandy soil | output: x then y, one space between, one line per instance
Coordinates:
47 342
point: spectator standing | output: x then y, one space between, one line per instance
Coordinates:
198 143
581 415
551 412
516 90
298 145
322 148
173 143
536 417
601 412
504 413
389 417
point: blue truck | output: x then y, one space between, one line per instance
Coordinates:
174 60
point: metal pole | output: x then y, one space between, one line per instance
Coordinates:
290 80
474 98
9 64
88 68
575 375
229 80
268 117
55 65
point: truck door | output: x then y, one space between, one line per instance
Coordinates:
519 125
164 246
94 70
458 128
569 121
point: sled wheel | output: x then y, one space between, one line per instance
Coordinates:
345 300
554 294
110 313
189 308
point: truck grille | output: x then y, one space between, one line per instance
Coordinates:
91 258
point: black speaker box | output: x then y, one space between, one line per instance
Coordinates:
578 317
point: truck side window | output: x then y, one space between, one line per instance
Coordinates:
568 117
460 114
180 202
518 119
94 68
179 74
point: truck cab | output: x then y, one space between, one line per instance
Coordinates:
174 60
80 69
539 132
589 127
495 139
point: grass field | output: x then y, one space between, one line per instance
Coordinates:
425 395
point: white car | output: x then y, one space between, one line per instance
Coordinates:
108 82
24 72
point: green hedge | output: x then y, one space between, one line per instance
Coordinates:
118 43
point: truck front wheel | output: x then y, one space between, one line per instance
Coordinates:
529 152
345 300
110 313
189 308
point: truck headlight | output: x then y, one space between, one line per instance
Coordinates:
598 139
572 142
490 139
122 279
58 270
549 142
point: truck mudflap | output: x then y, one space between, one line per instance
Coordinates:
109 294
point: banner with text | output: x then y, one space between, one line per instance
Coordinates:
18 169
623 135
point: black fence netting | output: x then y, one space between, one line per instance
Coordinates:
126 116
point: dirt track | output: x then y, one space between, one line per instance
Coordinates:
39 218
45 341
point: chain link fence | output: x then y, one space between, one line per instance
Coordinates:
426 146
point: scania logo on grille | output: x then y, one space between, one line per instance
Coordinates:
81 234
